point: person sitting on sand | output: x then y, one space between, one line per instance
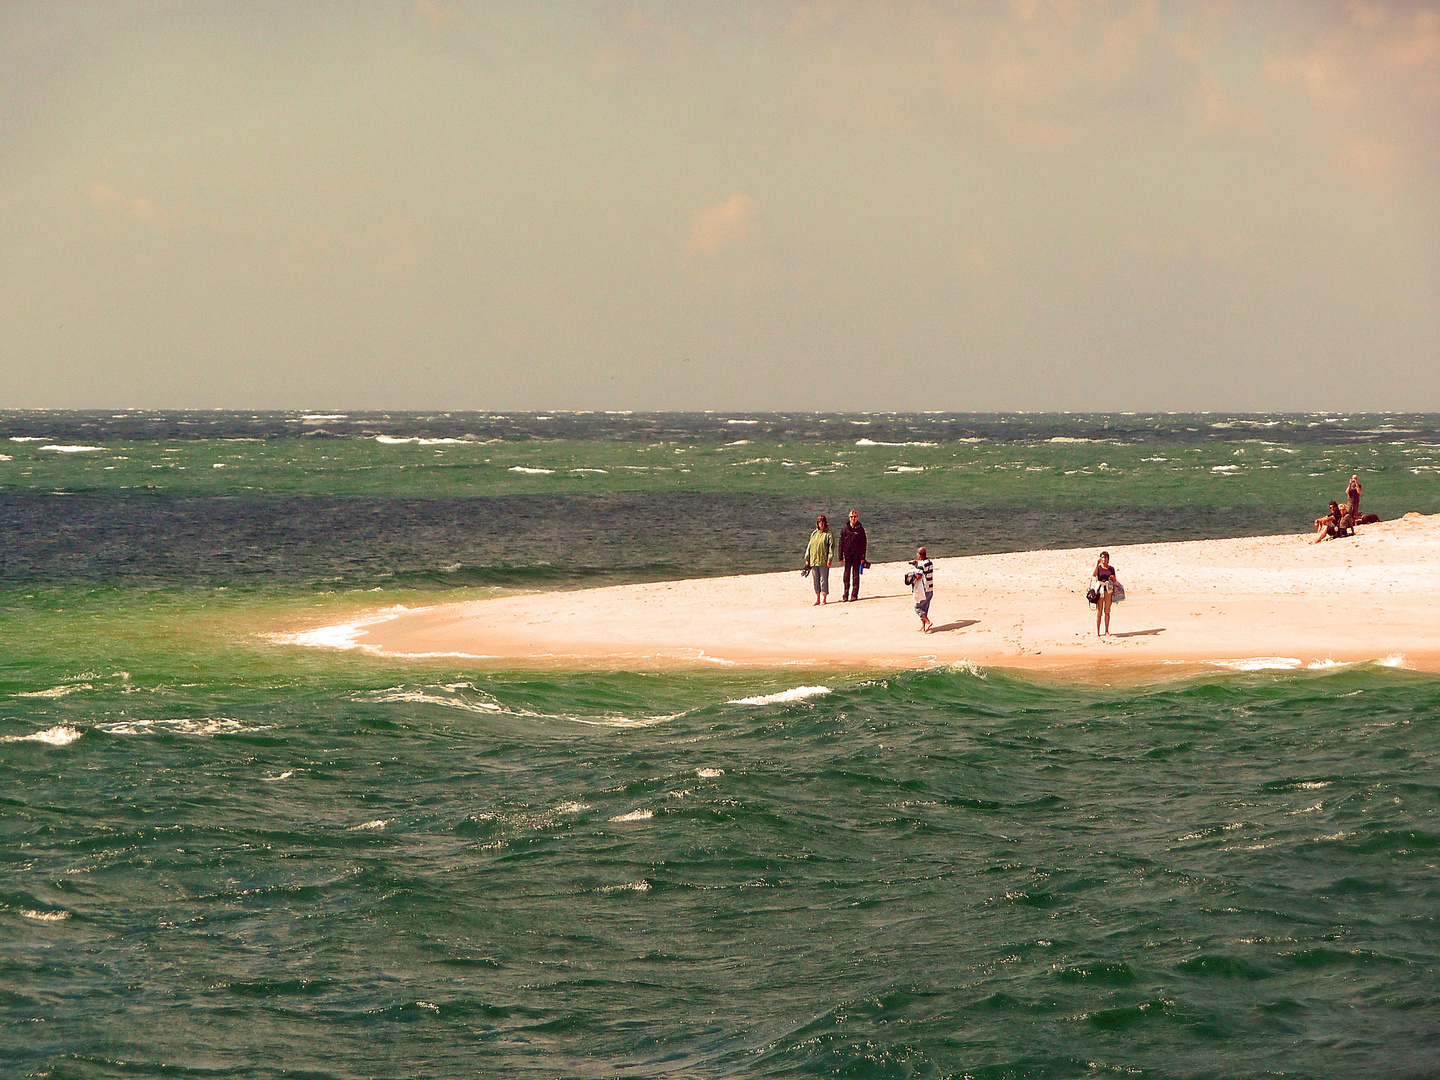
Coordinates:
819 556
922 586
1105 582
1342 524
1325 521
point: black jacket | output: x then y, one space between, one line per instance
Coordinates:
852 543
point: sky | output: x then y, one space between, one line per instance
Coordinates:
433 204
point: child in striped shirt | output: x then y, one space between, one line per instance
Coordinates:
922 584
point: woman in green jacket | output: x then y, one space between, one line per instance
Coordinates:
818 558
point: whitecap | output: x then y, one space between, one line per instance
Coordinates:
72 449
969 667
742 421
60 735
1260 663
1225 468
635 815
531 472
798 693
709 774
396 440
572 807
320 418
28 438
641 886
401 694
204 726
872 442
56 691
1068 439
1394 660
598 472
283 776
378 823
1325 665
6 457
52 916
607 721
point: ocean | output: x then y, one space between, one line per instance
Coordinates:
229 856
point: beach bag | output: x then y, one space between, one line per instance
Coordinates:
916 580
1119 596
1092 596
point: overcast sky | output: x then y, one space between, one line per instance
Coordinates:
1070 204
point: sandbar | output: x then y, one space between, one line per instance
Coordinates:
1252 603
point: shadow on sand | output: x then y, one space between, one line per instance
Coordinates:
959 624
1141 633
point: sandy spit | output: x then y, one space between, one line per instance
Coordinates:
1256 603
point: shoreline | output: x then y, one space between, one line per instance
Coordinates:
1272 603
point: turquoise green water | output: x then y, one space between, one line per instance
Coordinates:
226 856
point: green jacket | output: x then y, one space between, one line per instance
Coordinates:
822 548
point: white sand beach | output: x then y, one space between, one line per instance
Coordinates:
1271 602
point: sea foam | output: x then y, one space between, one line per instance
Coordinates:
204 726
799 693
60 735
635 815
340 635
51 916
1260 663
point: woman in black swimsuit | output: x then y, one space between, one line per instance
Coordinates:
1105 586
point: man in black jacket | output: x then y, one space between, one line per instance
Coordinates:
852 550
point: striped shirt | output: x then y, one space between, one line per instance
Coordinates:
923 582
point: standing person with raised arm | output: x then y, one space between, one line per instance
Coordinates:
819 557
852 551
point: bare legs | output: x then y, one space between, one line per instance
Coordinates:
1102 608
